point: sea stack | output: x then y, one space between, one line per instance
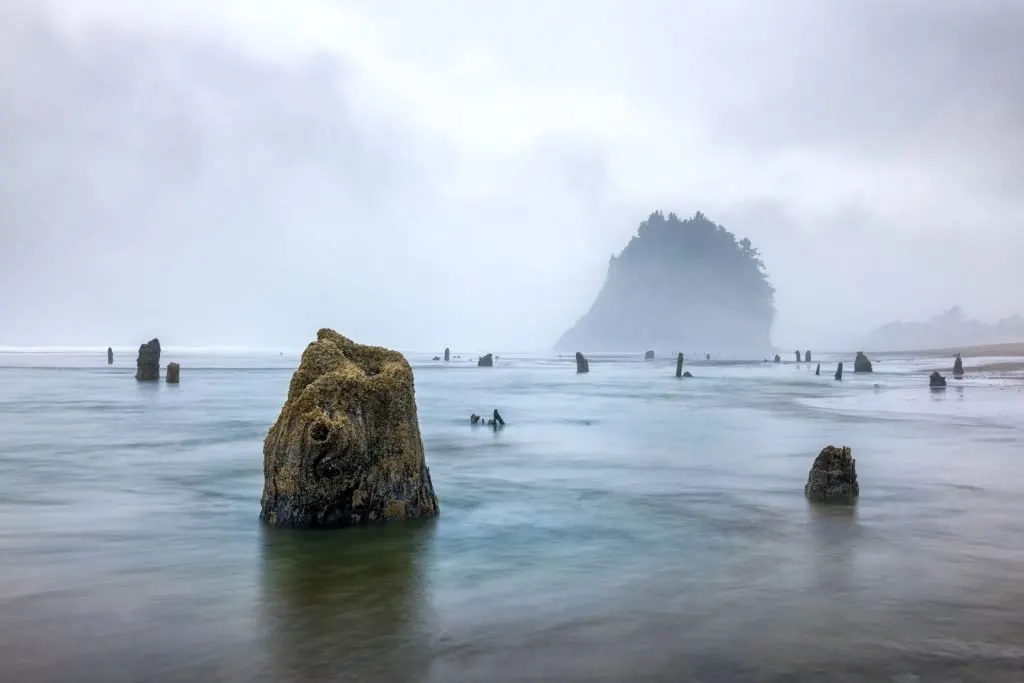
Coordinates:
833 476
958 367
817 370
649 355
110 356
778 358
581 363
447 354
172 373
346 448
936 381
807 356
486 361
147 367
861 363
839 371
679 364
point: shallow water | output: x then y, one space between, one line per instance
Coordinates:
626 525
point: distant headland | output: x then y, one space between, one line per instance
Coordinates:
950 329
679 284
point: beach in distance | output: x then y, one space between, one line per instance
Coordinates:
624 525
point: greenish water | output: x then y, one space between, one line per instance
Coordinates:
625 526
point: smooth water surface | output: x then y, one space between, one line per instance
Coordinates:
624 526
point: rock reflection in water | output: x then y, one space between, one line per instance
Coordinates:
348 604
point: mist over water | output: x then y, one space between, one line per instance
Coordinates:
624 525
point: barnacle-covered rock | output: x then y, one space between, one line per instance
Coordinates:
346 448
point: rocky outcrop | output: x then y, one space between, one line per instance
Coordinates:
958 367
173 372
110 356
582 365
679 364
346 448
679 283
485 361
447 354
778 358
147 367
833 476
649 355
807 356
861 363
839 371
936 381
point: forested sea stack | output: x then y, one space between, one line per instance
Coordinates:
346 448
679 283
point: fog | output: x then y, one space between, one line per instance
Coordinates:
458 173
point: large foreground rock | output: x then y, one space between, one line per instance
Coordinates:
346 448
833 476
862 363
147 366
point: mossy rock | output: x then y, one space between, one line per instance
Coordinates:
346 448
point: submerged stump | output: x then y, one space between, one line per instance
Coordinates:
172 373
346 448
958 367
582 364
862 363
649 355
147 366
833 476
839 371
486 361
936 380
110 356
447 353
807 356
679 364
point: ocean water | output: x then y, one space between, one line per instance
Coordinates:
624 526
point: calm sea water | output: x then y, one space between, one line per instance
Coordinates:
625 526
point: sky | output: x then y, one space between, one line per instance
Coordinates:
457 173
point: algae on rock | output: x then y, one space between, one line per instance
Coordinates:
346 448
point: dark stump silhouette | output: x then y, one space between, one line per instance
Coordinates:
707 356
817 370
447 353
649 355
839 371
936 381
110 356
346 448
958 367
679 364
497 418
833 476
778 358
147 367
687 374
173 371
807 356
582 365
798 356
861 363
474 419
486 361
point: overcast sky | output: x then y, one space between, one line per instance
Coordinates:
421 174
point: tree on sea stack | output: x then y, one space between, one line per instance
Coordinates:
346 448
